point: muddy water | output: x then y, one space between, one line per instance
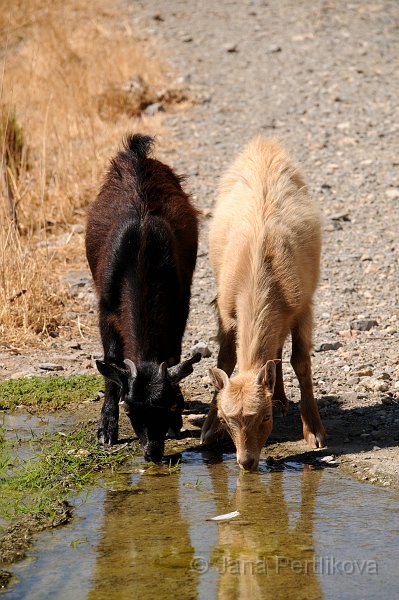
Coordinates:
301 533
26 427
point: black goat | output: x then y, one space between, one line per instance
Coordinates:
141 245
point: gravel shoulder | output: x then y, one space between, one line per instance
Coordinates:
323 77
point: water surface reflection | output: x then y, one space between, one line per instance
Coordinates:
145 536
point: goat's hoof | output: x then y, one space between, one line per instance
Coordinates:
316 440
107 438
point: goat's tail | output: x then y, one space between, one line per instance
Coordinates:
139 145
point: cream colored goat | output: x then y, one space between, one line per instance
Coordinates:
265 253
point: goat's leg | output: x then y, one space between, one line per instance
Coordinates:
313 430
227 359
280 400
108 427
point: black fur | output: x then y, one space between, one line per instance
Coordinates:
141 244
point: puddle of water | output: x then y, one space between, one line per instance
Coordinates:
24 426
300 534
22 430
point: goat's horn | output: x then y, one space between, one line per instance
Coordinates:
131 367
162 369
184 368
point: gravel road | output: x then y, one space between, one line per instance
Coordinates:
323 77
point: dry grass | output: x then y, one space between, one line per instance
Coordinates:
77 80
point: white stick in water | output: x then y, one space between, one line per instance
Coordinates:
225 517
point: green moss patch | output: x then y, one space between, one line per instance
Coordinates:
49 392
60 464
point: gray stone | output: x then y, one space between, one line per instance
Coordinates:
392 193
363 324
231 48
77 228
202 348
328 346
274 48
154 108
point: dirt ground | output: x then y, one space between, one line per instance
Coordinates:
323 77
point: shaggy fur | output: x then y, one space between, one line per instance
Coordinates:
141 245
265 253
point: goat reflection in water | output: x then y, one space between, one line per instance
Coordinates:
263 554
145 550
147 541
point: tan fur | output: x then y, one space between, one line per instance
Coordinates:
265 253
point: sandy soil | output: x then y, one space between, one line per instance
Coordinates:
323 77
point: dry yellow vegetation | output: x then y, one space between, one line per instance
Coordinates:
74 80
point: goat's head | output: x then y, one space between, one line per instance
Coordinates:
152 399
245 408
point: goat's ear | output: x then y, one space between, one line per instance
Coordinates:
114 373
219 378
267 375
180 371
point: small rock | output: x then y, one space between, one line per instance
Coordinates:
385 376
77 228
348 333
153 108
231 48
363 372
381 386
390 330
202 348
76 280
74 346
363 324
51 367
328 459
329 346
392 194
196 420
206 212
378 435
343 216
274 48
82 452
349 396
21 375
